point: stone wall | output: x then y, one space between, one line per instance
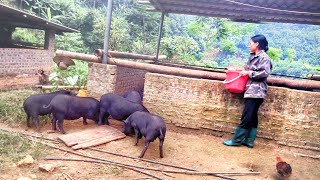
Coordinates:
291 117
106 78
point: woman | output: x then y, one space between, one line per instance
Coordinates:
258 68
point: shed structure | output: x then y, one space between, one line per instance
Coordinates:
284 11
290 117
22 58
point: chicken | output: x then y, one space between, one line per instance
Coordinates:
284 169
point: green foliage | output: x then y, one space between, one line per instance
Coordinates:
92 30
290 54
183 46
29 35
228 46
76 75
274 53
188 39
71 42
119 36
292 68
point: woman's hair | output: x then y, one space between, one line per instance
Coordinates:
262 40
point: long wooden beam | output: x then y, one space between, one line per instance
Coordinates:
283 82
111 54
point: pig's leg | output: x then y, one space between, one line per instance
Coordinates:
84 121
146 145
36 121
60 124
53 122
28 120
137 135
103 117
161 147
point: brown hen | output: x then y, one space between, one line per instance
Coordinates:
284 169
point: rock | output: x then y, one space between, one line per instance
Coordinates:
33 176
24 178
26 161
47 167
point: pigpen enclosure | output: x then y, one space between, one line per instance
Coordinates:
199 114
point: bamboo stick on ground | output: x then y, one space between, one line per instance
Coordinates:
116 163
171 165
190 171
103 162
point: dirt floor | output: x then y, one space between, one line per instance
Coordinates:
191 149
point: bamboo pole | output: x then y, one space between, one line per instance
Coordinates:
116 54
189 171
97 58
282 82
103 162
145 168
58 87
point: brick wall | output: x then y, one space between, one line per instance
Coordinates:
18 66
17 61
129 79
106 78
291 117
23 61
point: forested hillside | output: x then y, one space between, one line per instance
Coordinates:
201 41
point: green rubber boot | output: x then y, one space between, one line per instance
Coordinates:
249 141
238 137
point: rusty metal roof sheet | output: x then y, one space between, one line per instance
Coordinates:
19 18
285 11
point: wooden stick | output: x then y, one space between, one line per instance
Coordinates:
190 171
171 165
193 172
58 87
305 155
142 167
103 162
141 159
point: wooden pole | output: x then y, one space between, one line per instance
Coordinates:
282 82
58 87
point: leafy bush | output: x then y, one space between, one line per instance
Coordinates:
76 75
274 53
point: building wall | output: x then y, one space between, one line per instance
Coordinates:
129 79
291 117
18 66
23 61
106 78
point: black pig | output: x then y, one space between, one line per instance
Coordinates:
118 107
73 107
133 96
33 105
148 125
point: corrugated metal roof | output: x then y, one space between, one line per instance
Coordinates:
19 18
285 11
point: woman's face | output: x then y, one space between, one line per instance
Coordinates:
253 46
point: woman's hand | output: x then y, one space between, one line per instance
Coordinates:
244 73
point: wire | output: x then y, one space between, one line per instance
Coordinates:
281 10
